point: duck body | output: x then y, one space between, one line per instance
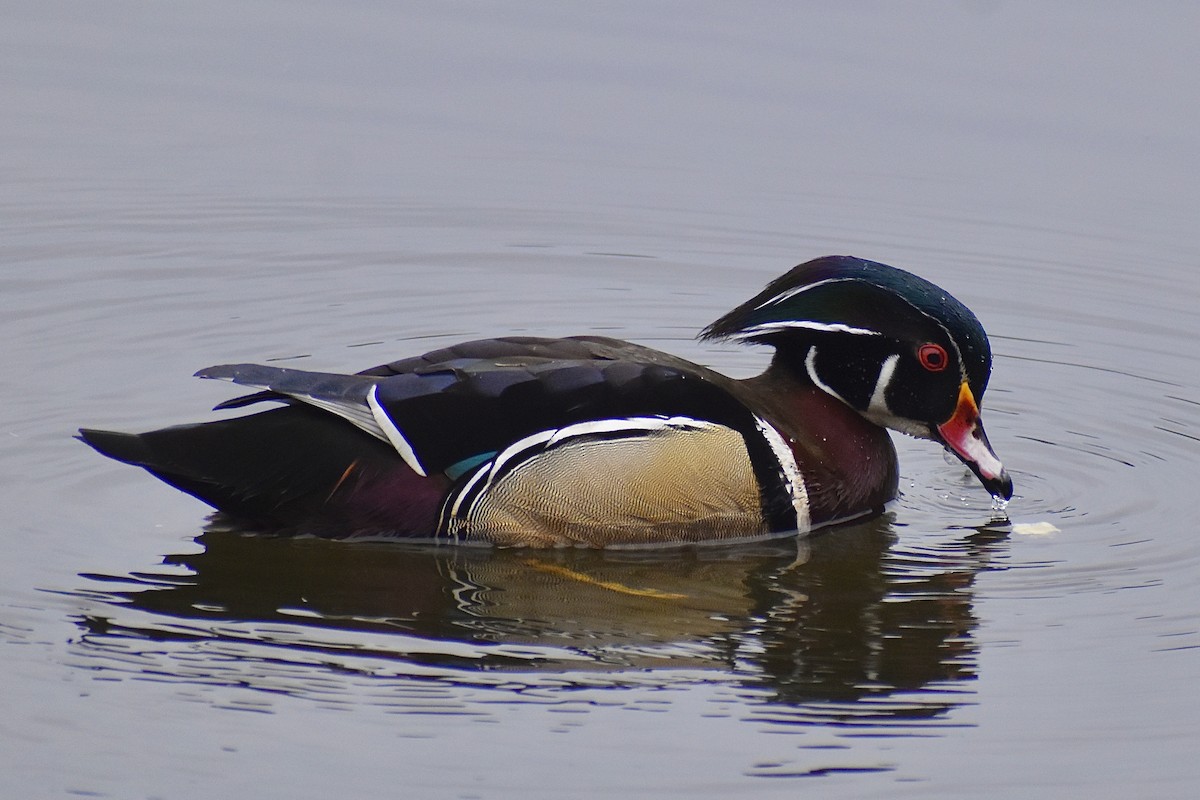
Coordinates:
594 441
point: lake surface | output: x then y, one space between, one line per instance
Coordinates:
333 187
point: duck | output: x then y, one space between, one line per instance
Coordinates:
591 441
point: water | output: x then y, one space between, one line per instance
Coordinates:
332 188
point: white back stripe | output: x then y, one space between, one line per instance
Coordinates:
393 433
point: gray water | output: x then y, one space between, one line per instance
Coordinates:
337 185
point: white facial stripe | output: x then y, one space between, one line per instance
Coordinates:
949 336
806 324
782 325
791 472
878 403
810 365
771 327
393 433
790 293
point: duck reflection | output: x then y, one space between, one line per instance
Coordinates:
838 617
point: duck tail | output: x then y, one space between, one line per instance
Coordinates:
129 448
274 469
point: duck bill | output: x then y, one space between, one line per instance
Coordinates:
964 436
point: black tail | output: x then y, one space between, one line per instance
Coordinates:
274 468
128 447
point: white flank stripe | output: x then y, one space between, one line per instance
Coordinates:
487 475
532 440
466 490
791 472
878 404
628 424
555 436
393 433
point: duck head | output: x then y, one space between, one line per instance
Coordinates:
896 348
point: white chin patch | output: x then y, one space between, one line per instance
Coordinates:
909 427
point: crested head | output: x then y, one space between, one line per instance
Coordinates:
895 347
854 296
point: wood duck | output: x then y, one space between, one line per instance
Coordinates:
593 441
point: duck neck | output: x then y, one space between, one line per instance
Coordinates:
848 463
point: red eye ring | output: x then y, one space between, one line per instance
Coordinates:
933 357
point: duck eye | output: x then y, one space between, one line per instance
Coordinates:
932 357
